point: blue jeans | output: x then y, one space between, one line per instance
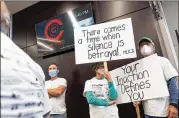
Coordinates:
146 116
58 115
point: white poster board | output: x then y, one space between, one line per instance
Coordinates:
104 42
140 80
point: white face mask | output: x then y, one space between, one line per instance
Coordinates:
101 71
146 50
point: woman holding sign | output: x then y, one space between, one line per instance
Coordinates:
101 94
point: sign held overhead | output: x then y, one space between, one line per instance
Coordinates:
104 42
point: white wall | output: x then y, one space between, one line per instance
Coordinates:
171 11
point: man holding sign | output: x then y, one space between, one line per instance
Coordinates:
101 94
166 106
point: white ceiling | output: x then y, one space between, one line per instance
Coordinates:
16 6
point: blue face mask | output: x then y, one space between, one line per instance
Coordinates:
52 73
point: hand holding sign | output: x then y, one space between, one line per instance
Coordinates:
136 103
107 76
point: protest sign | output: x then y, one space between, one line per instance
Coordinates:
104 42
140 80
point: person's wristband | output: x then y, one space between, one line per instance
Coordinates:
175 105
